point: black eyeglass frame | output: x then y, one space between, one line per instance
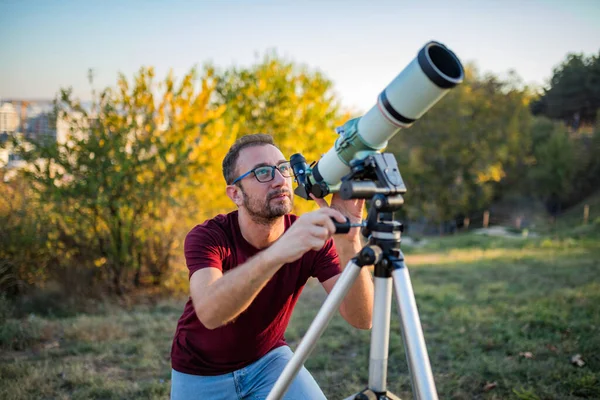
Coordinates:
286 174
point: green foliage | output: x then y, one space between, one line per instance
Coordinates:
6 308
573 97
51 299
570 223
289 101
283 99
587 176
574 92
119 164
565 167
112 201
26 257
555 166
452 158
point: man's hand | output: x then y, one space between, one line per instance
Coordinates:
353 209
309 232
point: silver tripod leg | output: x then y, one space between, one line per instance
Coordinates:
412 334
380 337
330 306
380 334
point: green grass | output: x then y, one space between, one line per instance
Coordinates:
483 308
484 303
113 355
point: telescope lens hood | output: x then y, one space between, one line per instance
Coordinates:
440 65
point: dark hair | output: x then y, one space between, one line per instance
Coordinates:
258 139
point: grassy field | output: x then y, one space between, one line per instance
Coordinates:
502 318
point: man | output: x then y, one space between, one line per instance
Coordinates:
247 270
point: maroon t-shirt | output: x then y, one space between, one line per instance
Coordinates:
218 243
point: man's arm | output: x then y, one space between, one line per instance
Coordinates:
219 298
357 306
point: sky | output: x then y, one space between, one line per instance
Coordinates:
359 45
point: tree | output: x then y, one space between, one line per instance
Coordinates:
452 158
574 92
121 162
289 101
572 98
554 170
25 254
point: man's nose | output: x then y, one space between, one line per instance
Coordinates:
278 179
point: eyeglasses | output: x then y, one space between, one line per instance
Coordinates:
266 173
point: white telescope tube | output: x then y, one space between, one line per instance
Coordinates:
411 94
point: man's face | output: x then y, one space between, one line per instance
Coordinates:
264 200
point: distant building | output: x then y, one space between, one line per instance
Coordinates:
29 120
4 152
9 118
39 126
9 122
25 119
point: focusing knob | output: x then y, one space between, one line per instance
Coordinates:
319 190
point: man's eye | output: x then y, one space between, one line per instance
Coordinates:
284 168
262 172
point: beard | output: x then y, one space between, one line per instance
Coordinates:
266 212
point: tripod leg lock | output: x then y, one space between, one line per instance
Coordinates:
369 255
368 394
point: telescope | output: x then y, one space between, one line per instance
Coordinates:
356 168
411 94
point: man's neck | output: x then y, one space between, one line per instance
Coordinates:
260 233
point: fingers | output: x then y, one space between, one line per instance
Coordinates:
326 219
324 206
322 203
332 213
317 224
316 244
318 220
353 207
309 237
320 232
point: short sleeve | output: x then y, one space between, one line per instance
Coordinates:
203 249
326 263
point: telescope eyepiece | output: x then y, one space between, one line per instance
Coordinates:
299 166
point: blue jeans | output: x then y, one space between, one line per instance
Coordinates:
249 383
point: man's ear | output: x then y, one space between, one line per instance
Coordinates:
235 194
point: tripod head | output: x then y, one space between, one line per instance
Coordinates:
378 178
375 177
375 174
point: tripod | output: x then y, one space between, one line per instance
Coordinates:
377 176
